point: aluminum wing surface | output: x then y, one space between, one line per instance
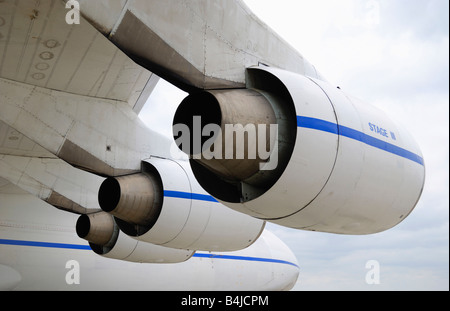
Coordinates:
193 44
39 48
42 55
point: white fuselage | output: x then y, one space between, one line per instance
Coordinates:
39 250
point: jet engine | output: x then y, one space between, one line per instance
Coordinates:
163 206
105 239
313 157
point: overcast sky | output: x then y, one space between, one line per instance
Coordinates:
393 54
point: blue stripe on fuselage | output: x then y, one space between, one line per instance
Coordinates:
87 247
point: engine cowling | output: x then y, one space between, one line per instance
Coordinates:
343 166
164 206
105 239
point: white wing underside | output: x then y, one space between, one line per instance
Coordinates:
38 47
40 51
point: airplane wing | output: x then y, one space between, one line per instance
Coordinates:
41 52
69 100
194 44
38 48
34 169
75 74
44 58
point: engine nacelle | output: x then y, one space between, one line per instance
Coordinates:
105 239
343 166
162 206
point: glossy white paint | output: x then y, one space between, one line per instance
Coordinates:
197 223
313 157
370 189
352 171
266 265
129 249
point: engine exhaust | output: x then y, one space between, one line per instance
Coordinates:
135 199
98 229
239 141
242 123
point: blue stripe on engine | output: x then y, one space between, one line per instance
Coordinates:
317 124
333 128
245 258
87 247
188 195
